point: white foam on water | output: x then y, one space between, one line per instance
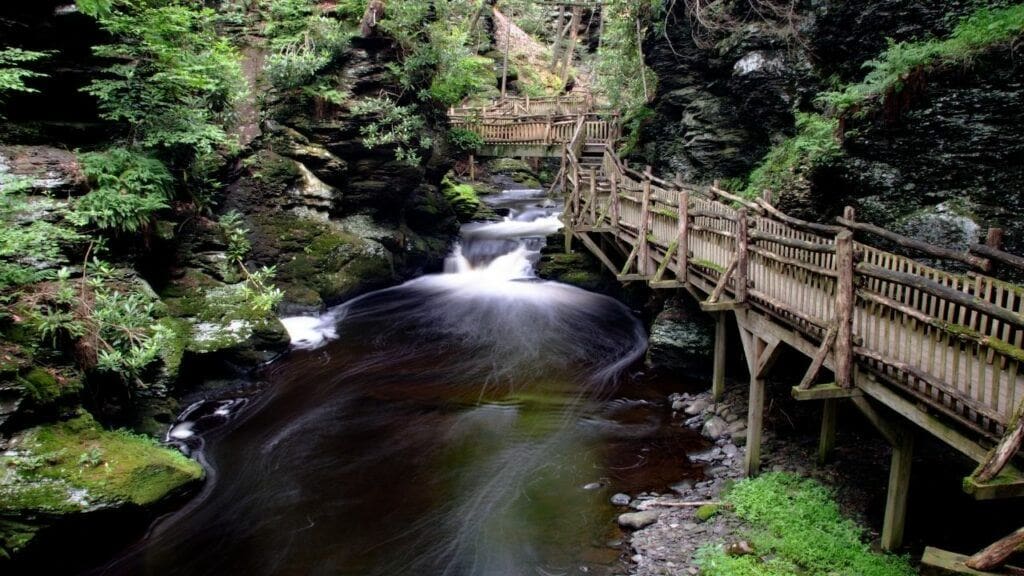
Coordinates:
509 228
309 332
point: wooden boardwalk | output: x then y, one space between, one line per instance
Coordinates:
941 350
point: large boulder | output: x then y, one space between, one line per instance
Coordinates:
682 339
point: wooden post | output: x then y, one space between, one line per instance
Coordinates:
577 14
560 31
644 254
640 52
593 197
718 375
844 310
899 486
683 239
613 179
827 441
994 239
472 168
755 411
742 256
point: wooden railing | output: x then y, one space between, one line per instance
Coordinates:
949 341
546 130
564 105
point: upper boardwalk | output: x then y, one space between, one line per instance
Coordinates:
538 127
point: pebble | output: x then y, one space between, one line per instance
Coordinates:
679 405
682 488
638 520
593 486
621 499
729 450
708 455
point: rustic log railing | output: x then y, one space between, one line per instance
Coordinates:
947 341
563 105
538 129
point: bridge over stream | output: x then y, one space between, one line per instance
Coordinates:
911 346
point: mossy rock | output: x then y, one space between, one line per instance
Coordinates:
49 386
75 467
578 268
519 171
707 512
465 201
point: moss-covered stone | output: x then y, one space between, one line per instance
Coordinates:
74 467
465 201
706 512
519 171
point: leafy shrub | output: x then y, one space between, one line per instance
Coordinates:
788 163
393 125
174 80
978 32
12 73
127 189
304 42
29 245
465 140
256 296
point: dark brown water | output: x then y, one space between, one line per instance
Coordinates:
475 422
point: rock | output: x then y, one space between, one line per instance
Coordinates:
714 428
729 450
708 455
678 405
48 170
593 486
698 406
739 548
681 339
621 499
683 487
638 520
736 426
739 438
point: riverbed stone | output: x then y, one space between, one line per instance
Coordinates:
696 407
638 520
681 339
714 428
621 499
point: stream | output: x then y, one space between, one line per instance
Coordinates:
471 422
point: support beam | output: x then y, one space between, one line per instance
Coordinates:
827 441
718 374
899 487
755 409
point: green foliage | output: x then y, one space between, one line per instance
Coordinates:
978 32
12 73
797 528
101 313
621 73
256 296
174 81
465 140
633 121
29 245
393 125
127 189
303 42
788 163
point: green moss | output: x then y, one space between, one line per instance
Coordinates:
46 387
76 466
707 512
787 165
796 528
174 347
465 201
979 32
106 467
708 264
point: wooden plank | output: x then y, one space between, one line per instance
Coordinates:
683 255
755 414
932 287
929 423
768 357
720 306
996 554
944 563
758 236
818 359
828 391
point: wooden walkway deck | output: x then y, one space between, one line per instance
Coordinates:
941 350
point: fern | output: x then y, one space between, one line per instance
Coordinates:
127 190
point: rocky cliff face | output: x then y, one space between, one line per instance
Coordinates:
943 164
